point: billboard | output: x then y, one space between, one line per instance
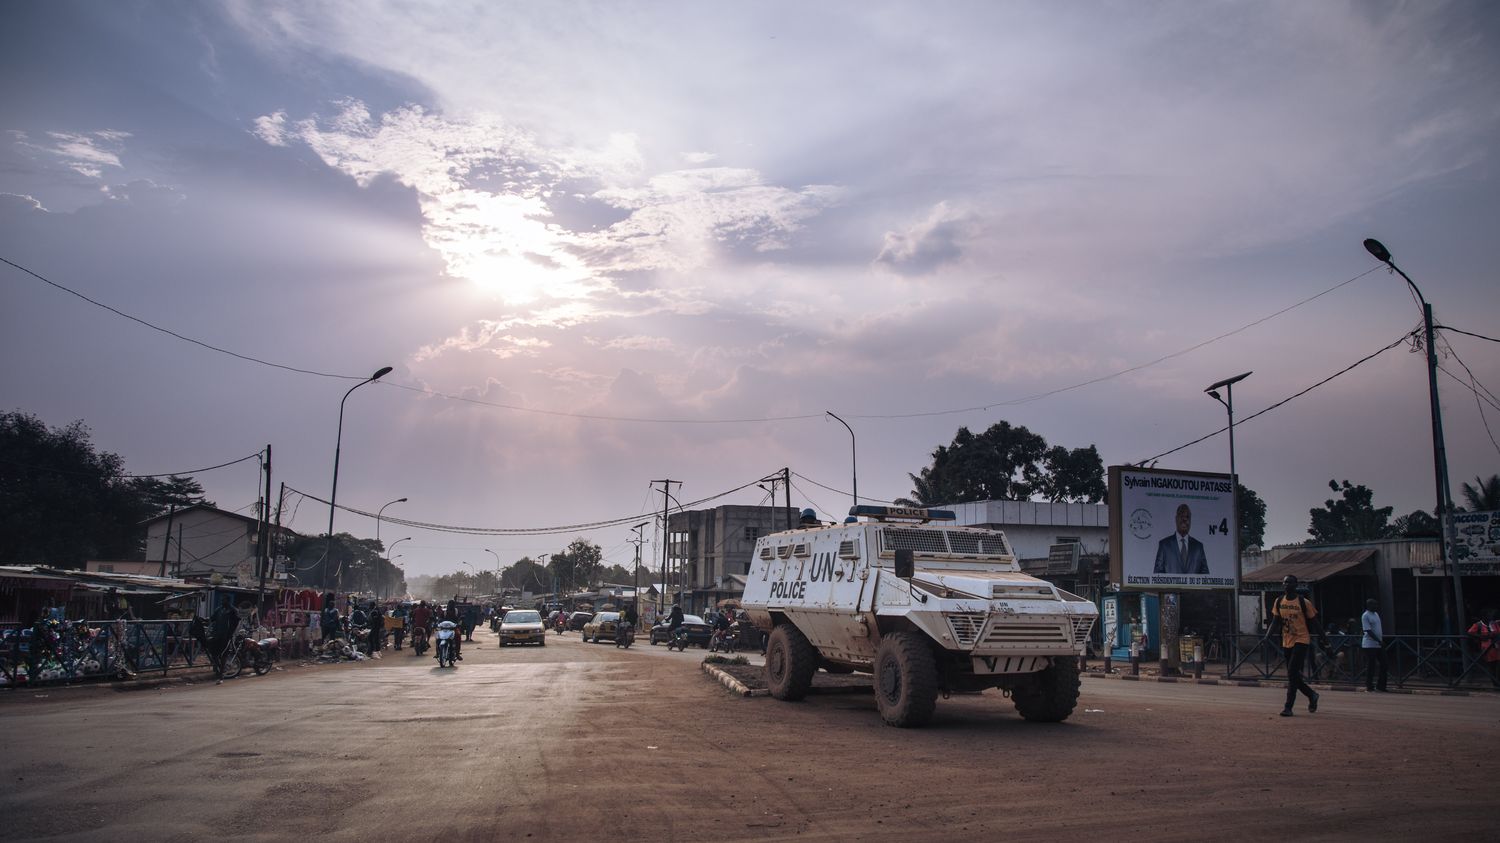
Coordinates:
1475 542
1171 530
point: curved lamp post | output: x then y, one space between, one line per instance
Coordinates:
497 573
333 495
853 454
1213 392
1439 450
388 556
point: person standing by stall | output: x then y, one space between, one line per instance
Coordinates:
1373 646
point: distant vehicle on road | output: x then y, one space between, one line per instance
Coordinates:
601 627
578 619
522 626
694 628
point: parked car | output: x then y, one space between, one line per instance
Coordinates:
522 626
578 619
697 630
601 627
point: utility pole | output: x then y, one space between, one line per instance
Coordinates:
166 539
666 534
1439 449
786 478
265 537
637 540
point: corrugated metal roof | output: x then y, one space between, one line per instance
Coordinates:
1310 566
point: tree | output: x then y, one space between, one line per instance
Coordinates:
62 502
525 574
1007 462
1252 517
1352 518
1484 495
578 565
617 574
1417 525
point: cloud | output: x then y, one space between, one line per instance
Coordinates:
25 202
486 191
927 244
271 128
85 153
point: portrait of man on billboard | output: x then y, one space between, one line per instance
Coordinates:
1180 553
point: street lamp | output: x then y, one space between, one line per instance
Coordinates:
381 512
1439 450
333 495
388 556
1234 479
853 454
497 573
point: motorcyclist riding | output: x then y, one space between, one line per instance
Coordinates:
674 628
421 618
454 614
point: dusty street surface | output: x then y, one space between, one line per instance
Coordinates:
580 741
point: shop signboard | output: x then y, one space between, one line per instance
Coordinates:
1171 530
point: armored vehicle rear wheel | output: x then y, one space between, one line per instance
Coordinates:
906 679
791 662
1049 695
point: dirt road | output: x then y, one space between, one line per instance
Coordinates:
580 741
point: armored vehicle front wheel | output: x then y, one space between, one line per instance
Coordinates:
1050 695
906 679
791 662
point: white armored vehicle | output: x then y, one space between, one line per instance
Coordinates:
925 607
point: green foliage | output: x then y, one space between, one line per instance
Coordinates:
717 659
1252 517
1007 463
1484 495
619 575
62 502
1351 518
525 574
578 566
1417 525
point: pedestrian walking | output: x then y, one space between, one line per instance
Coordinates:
329 619
1295 619
376 622
1373 646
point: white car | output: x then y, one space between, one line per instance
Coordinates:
522 626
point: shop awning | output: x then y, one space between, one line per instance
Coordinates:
1308 566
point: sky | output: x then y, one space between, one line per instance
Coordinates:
606 244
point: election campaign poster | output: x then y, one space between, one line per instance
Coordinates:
1171 530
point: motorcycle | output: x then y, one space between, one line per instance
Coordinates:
624 635
259 653
561 626
677 639
726 639
418 640
447 644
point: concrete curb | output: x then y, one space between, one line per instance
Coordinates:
1278 683
733 684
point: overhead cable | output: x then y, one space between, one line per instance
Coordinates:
1404 338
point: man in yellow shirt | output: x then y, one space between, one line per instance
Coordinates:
1295 619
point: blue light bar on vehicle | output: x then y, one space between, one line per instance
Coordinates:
902 513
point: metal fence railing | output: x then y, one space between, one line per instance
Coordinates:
1413 660
80 650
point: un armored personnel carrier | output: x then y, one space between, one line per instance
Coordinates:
924 605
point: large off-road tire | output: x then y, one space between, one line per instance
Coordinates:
1049 695
906 679
791 662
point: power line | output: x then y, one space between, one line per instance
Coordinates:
1404 338
839 491
1049 393
656 420
1465 333
128 476
517 531
171 333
